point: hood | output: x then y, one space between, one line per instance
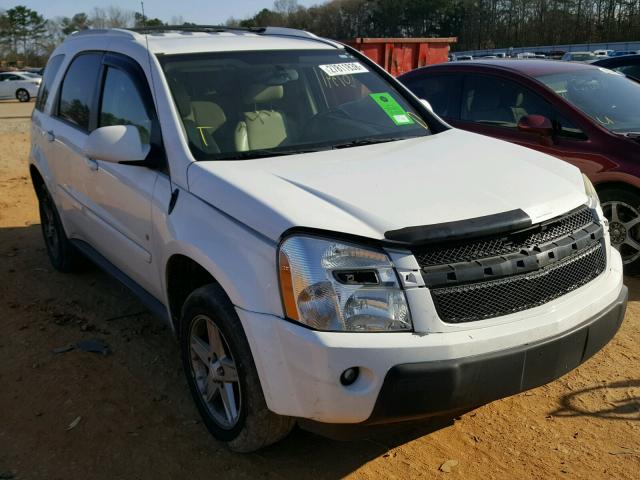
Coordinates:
369 190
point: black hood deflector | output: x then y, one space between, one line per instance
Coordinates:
462 229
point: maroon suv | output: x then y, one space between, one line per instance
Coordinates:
586 115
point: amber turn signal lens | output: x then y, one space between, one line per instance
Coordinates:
286 287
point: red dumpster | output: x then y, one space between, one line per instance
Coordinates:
399 55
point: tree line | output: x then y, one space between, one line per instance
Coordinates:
478 24
27 37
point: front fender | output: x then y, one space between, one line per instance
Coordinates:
241 261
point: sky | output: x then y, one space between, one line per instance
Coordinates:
204 12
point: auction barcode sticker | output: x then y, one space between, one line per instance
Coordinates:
336 69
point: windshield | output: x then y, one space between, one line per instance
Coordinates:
238 105
609 98
30 75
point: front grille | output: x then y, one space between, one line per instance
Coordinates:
490 277
477 301
468 251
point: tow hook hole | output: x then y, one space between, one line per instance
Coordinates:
349 376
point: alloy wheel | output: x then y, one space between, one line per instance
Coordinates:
623 229
49 226
22 95
214 371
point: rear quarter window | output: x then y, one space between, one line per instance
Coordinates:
441 91
50 72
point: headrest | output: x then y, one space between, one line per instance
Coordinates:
510 97
263 93
279 76
181 97
519 100
208 114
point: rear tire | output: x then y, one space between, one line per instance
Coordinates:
22 95
622 209
222 375
62 254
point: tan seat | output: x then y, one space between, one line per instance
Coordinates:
207 117
201 119
261 128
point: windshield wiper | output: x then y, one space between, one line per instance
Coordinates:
367 141
249 154
631 135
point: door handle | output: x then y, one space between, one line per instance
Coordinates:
50 136
92 164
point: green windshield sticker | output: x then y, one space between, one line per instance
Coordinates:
392 108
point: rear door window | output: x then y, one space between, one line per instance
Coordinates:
50 72
499 102
441 91
78 90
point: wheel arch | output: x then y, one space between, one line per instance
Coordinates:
616 185
242 263
37 180
183 275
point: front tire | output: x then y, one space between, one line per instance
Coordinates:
622 209
222 375
22 95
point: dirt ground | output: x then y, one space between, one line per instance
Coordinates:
128 415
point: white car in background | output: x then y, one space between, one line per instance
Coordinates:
19 85
579 57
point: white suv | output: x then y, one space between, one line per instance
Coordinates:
327 250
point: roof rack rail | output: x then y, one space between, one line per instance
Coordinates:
195 28
118 32
294 32
269 31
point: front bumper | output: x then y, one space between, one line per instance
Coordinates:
421 389
299 368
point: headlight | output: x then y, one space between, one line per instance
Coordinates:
337 286
590 190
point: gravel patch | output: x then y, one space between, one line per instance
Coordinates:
15 125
